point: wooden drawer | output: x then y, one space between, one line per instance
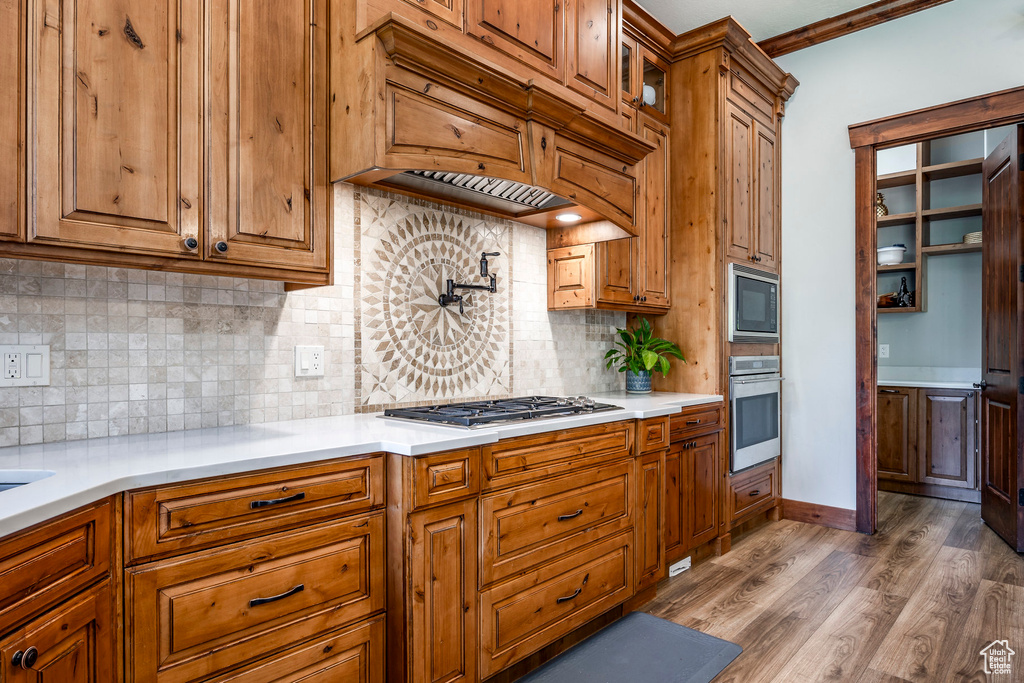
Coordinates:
525 614
51 561
525 526
207 613
753 490
445 477
696 420
652 435
171 520
353 655
529 458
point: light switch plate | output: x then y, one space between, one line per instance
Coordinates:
309 361
25 365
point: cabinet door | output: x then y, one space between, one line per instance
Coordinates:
739 168
629 75
652 92
946 441
268 191
654 231
115 144
649 543
12 119
616 271
673 529
700 490
443 594
897 433
73 643
766 234
592 38
529 31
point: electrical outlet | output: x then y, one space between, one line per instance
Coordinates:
12 366
309 361
883 350
25 365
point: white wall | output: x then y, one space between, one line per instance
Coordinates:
950 52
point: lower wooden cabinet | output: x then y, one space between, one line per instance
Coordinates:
649 542
752 492
693 476
928 442
72 643
207 613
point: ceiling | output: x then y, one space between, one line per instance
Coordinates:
763 18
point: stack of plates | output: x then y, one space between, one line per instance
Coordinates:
972 238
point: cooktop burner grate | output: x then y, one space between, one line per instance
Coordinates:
482 413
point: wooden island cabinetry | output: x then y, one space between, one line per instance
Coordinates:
928 442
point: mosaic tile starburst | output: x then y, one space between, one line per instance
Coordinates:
412 349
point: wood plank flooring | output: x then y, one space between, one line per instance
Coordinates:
917 601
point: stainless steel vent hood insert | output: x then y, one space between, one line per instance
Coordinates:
490 194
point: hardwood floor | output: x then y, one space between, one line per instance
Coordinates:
915 602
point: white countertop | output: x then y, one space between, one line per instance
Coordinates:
928 377
924 384
86 471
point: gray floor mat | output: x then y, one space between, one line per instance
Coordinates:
640 648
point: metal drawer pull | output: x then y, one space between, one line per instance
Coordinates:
693 422
566 518
579 590
888 391
756 381
274 598
276 501
755 492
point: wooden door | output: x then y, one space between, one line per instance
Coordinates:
700 489
616 271
739 169
765 236
650 521
1001 354
268 201
945 442
529 31
72 643
897 433
12 119
115 145
653 268
442 630
592 49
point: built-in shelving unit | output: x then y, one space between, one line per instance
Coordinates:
915 195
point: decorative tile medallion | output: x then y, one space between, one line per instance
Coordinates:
412 349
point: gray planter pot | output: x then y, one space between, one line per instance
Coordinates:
638 383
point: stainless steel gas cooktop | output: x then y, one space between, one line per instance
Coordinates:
484 413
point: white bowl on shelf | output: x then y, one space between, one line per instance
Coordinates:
890 256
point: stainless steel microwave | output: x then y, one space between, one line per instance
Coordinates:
753 305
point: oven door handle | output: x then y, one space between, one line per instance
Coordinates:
756 381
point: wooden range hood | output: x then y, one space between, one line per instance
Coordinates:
420 104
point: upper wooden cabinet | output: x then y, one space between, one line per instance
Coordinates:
150 146
528 31
752 210
268 191
592 43
12 119
115 142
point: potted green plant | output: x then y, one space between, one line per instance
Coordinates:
639 353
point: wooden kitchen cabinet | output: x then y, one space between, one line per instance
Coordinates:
752 492
649 542
531 32
72 643
752 204
12 119
928 442
693 477
592 42
897 434
162 152
628 274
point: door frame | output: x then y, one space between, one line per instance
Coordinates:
996 109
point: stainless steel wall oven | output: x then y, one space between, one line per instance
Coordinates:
755 393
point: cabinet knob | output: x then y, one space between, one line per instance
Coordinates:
222 247
980 385
26 660
643 298
191 243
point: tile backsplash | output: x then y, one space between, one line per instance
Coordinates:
135 351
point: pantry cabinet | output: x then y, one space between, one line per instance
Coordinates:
928 442
150 146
